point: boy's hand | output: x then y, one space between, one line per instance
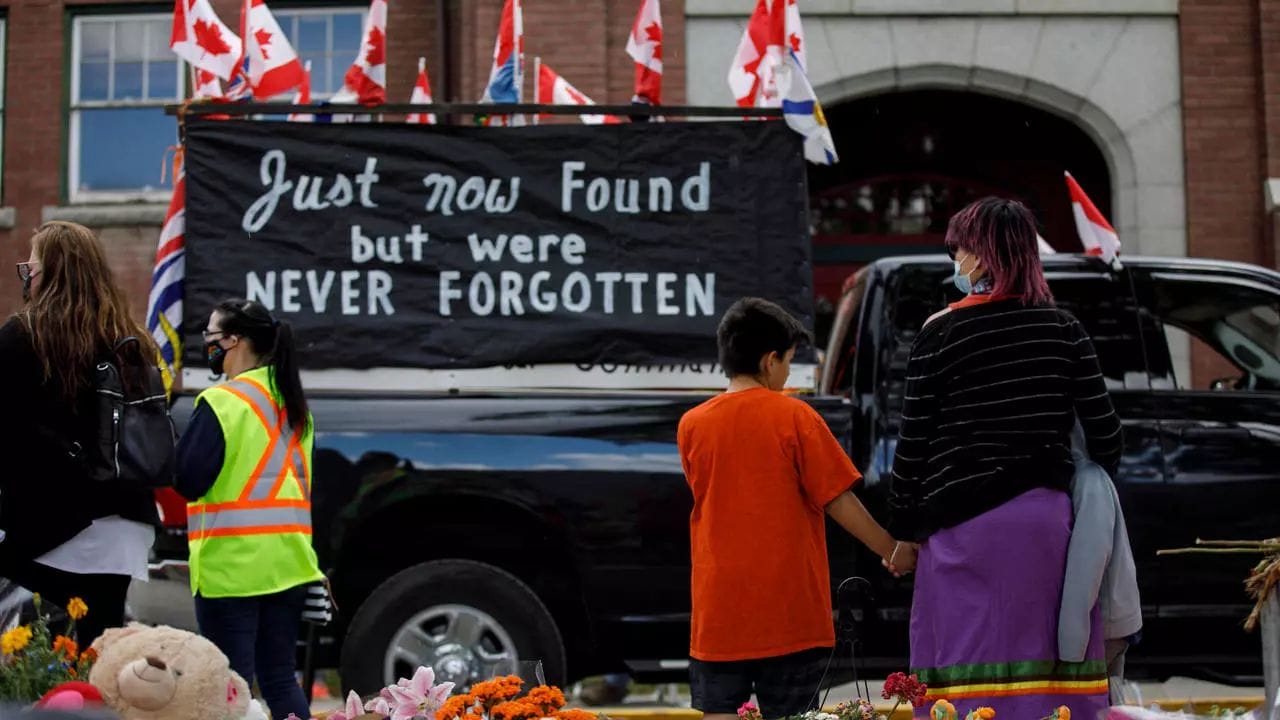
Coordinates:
903 558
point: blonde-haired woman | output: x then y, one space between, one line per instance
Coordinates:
66 535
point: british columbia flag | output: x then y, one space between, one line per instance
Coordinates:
164 305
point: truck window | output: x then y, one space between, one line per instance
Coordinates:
838 363
1218 333
915 293
1106 308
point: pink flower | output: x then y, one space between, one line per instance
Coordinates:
380 705
749 711
352 710
419 696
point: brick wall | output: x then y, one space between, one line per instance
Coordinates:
584 40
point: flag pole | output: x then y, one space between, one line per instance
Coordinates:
537 85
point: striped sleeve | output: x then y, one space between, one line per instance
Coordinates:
1093 404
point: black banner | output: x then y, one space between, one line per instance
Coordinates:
414 246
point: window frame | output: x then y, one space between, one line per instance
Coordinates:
75 106
4 70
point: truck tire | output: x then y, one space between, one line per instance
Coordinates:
458 615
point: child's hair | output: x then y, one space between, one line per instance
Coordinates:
753 328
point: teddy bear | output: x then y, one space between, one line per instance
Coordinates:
155 673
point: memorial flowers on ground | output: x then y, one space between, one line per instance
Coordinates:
33 659
421 698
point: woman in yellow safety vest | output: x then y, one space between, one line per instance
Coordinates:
244 462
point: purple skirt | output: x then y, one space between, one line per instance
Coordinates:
984 619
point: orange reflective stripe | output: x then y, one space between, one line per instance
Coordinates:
197 508
260 530
273 436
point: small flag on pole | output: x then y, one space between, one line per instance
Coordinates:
1096 234
803 112
553 89
644 45
270 62
506 78
200 38
421 96
366 79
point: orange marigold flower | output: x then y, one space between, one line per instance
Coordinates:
77 609
546 697
66 646
515 710
572 714
89 655
455 706
503 688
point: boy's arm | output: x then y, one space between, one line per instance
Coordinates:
852 515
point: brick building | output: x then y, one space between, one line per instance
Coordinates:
1167 112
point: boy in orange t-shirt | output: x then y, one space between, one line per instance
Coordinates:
765 470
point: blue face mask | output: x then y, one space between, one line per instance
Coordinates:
961 279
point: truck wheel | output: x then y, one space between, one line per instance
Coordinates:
466 620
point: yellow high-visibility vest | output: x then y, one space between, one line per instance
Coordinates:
251 533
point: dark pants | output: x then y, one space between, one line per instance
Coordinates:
103 594
259 635
786 686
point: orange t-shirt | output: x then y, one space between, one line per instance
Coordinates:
762 467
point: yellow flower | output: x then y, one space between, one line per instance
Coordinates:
985 713
77 609
1064 713
15 640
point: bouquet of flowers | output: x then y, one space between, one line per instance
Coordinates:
33 660
420 698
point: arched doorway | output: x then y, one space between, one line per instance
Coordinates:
909 160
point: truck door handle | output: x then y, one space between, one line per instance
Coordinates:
1216 433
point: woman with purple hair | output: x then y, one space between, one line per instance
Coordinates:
995 384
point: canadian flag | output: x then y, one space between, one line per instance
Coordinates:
555 90
421 96
773 31
201 39
366 79
1096 234
273 66
206 84
644 45
303 97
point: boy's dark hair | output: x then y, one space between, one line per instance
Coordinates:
753 328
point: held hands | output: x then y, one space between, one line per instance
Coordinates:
903 558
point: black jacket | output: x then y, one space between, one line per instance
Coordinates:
46 497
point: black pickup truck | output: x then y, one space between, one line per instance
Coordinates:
471 531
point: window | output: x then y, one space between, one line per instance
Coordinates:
1232 325
1106 309
328 38
123 73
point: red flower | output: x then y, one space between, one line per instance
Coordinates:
905 689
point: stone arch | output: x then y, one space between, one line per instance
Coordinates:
1117 77
1096 124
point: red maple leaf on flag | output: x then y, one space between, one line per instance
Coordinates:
654 34
377 52
795 42
264 39
209 38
